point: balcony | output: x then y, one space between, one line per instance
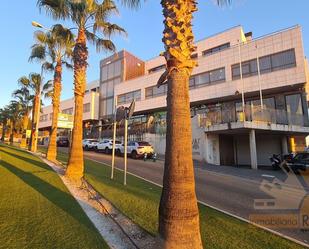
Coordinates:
254 117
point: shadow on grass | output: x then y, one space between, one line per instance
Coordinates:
58 197
26 159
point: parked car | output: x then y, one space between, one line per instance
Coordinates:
63 142
106 145
90 144
299 163
138 149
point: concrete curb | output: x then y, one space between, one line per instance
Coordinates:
116 229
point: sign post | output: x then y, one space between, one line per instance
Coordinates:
125 150
114 139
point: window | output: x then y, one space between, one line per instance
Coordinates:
154 91
128 97
216 49
43 118
68 111
217 75
269 63
156 69
51 116
283 60
294 109
86 107
249 68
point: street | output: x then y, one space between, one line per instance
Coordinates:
231 193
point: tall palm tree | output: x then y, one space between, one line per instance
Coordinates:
54 48
4 120
178 211
15 109
90 18
25 98
33 82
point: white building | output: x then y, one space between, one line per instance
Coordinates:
239 117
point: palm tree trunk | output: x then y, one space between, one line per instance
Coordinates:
3 132
23 143
12 124
34 121
75 169
178 213
52 146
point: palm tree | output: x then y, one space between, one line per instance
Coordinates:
25 98
54 48
86 15
4 120
33 82
178 211
15 109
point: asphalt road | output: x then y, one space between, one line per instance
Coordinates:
227 192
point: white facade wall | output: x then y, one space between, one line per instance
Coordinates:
277 42
92 98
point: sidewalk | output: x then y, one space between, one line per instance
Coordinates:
254 175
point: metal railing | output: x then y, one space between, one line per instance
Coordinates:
252 114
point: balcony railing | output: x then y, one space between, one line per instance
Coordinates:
252 114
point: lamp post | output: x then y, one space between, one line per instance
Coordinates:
34 149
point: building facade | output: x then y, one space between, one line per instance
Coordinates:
90 113
248 97
240 115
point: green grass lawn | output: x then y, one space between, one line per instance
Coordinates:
36 209
139 200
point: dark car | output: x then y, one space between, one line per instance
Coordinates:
299 163
63 142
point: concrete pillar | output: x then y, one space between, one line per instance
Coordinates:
253 154
284 145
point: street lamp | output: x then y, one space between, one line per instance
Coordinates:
38 25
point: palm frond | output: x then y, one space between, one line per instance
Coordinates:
38 53
57 9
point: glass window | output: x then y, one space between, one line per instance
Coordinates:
104 90
104 73
117 70
110 89
294 104
103 108
154 91
283 60
111 70
86 107
121 99
203 79
192 82
294 109
217 75
128 97
265 64
216 49
109 106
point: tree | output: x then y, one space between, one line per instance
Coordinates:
54 48
33 82
25 99
15 109
86 15
178 211
4 121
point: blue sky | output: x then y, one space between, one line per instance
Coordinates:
144 28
